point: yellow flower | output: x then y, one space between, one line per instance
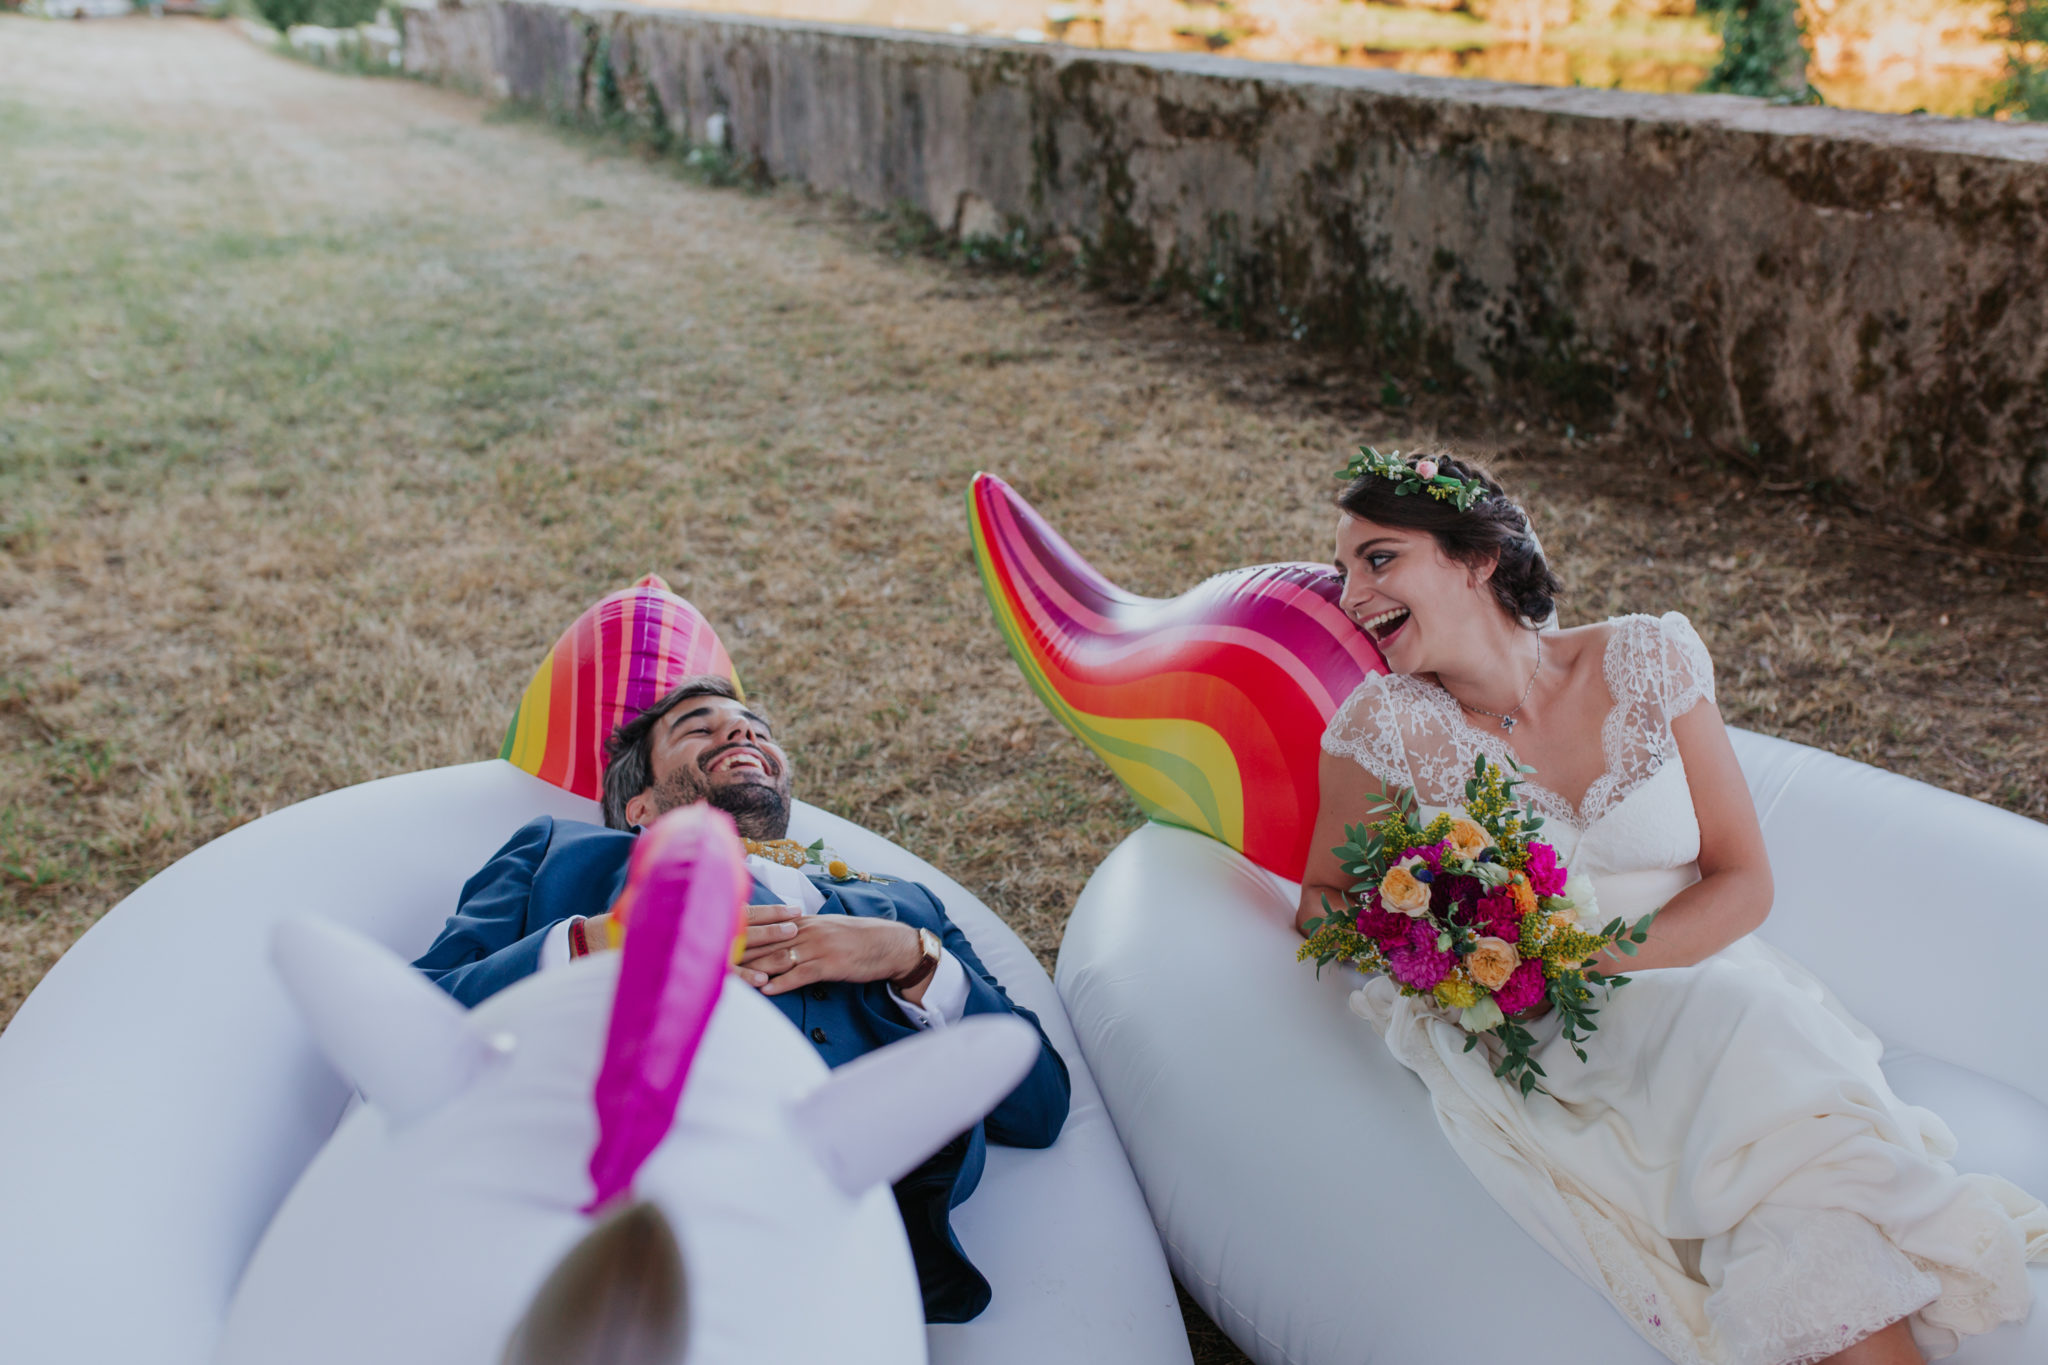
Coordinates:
837 870
1403 894
1458 994
1492 961
1468 840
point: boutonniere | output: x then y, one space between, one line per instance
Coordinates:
790 853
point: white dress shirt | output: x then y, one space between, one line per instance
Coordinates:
945 995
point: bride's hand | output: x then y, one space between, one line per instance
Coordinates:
1531 1015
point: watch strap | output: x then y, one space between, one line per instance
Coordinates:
927 963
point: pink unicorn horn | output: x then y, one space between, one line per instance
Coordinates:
684 904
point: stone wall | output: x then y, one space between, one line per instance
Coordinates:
1817 294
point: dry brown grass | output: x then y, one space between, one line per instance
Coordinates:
325 404
329 402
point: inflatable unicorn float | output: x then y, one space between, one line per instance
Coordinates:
462 1179
1232 1070
180 1184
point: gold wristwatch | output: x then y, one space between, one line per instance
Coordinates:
928 962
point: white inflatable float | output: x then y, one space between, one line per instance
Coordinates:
161 1095
1231 1070
610 1163
1233 1073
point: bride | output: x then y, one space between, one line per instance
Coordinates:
1730 1166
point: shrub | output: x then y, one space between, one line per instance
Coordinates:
282 14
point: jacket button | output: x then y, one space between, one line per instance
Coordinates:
818 1036
820 993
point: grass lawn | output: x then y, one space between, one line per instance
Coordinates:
326 402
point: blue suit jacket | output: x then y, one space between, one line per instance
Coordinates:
553 869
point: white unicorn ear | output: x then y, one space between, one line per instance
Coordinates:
392 1033
875 1118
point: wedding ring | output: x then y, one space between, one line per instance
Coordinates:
792 957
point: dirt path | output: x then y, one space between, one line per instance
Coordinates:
326 402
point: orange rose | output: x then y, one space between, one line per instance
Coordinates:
1467 840
1492 961
1403 894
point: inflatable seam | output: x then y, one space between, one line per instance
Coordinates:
1763 817
1185 1273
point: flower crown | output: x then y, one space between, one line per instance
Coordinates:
1423 475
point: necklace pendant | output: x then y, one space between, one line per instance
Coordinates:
1507 723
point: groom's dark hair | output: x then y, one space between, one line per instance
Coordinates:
629 762
1492 530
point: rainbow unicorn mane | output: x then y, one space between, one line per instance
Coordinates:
1209 707
617 659
684 906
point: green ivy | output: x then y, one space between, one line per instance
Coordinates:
1763 51
282 14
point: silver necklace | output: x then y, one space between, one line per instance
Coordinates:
1507 717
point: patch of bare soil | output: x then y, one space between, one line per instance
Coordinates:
325 403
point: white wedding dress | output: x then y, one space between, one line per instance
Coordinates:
1730 1168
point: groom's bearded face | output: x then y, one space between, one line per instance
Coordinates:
714 749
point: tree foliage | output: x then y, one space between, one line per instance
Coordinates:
2022 88
1763 51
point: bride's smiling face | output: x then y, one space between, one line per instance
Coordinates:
1415 601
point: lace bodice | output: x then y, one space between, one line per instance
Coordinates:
1408 732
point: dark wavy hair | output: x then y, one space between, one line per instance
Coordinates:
1494 530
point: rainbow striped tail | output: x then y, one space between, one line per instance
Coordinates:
1209 707
616 660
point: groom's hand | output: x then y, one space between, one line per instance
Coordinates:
769 929
846 948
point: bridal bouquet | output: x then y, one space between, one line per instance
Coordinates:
1473 912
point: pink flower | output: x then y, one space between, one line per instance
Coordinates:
1525 989
1546 874
1498 915
1432 855
1419 964
1426 468
1381 925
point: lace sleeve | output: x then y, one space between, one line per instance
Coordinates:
1688 672
1366 729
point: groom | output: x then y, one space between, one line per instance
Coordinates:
854 964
